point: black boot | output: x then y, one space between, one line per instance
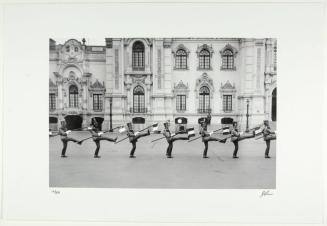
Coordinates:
267 157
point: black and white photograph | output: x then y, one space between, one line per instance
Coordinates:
163 113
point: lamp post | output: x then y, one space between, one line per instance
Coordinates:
247 115
110 114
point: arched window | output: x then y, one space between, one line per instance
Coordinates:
67 48
138 100
204 100
228 59
138 56
181 59
204 59
73 96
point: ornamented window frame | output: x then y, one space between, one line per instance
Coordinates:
227 89
210 50
97 88
187 51
181 89
234 51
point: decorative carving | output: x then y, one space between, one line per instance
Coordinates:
204 46
71 52
97 87
204 80
230 47
138 78
227 88
181 88
180 46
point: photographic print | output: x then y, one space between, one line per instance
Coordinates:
181 113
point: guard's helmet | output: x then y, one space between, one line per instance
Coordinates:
234 123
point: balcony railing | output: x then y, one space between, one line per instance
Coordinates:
135 68
138 110
204 110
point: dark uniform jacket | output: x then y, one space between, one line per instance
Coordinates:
204 133
62 132
167 134
94 132
234 134
131 136
266 132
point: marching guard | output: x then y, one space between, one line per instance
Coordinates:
236 136
96 136
133 137
206 137
63 132
268 135
170 139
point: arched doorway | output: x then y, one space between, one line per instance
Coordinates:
274 105
99 121
73 121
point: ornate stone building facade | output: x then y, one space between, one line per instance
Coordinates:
147 80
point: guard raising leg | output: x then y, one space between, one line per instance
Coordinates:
96 135
236 136
133 137
170 137
63 132
206 137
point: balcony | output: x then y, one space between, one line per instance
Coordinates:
204 110
138 110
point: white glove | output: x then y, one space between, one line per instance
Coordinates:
211 133
50 133
241 133
136 133
68 131
100 133
89 127
173 134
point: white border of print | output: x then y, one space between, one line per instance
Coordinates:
298 28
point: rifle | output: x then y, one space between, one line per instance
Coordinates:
201 136
103 133
254 128
70 130
165 137
153 125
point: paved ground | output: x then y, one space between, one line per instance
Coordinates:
151 169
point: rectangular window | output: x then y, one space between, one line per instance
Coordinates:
181 102
227 103
52 101
97 102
